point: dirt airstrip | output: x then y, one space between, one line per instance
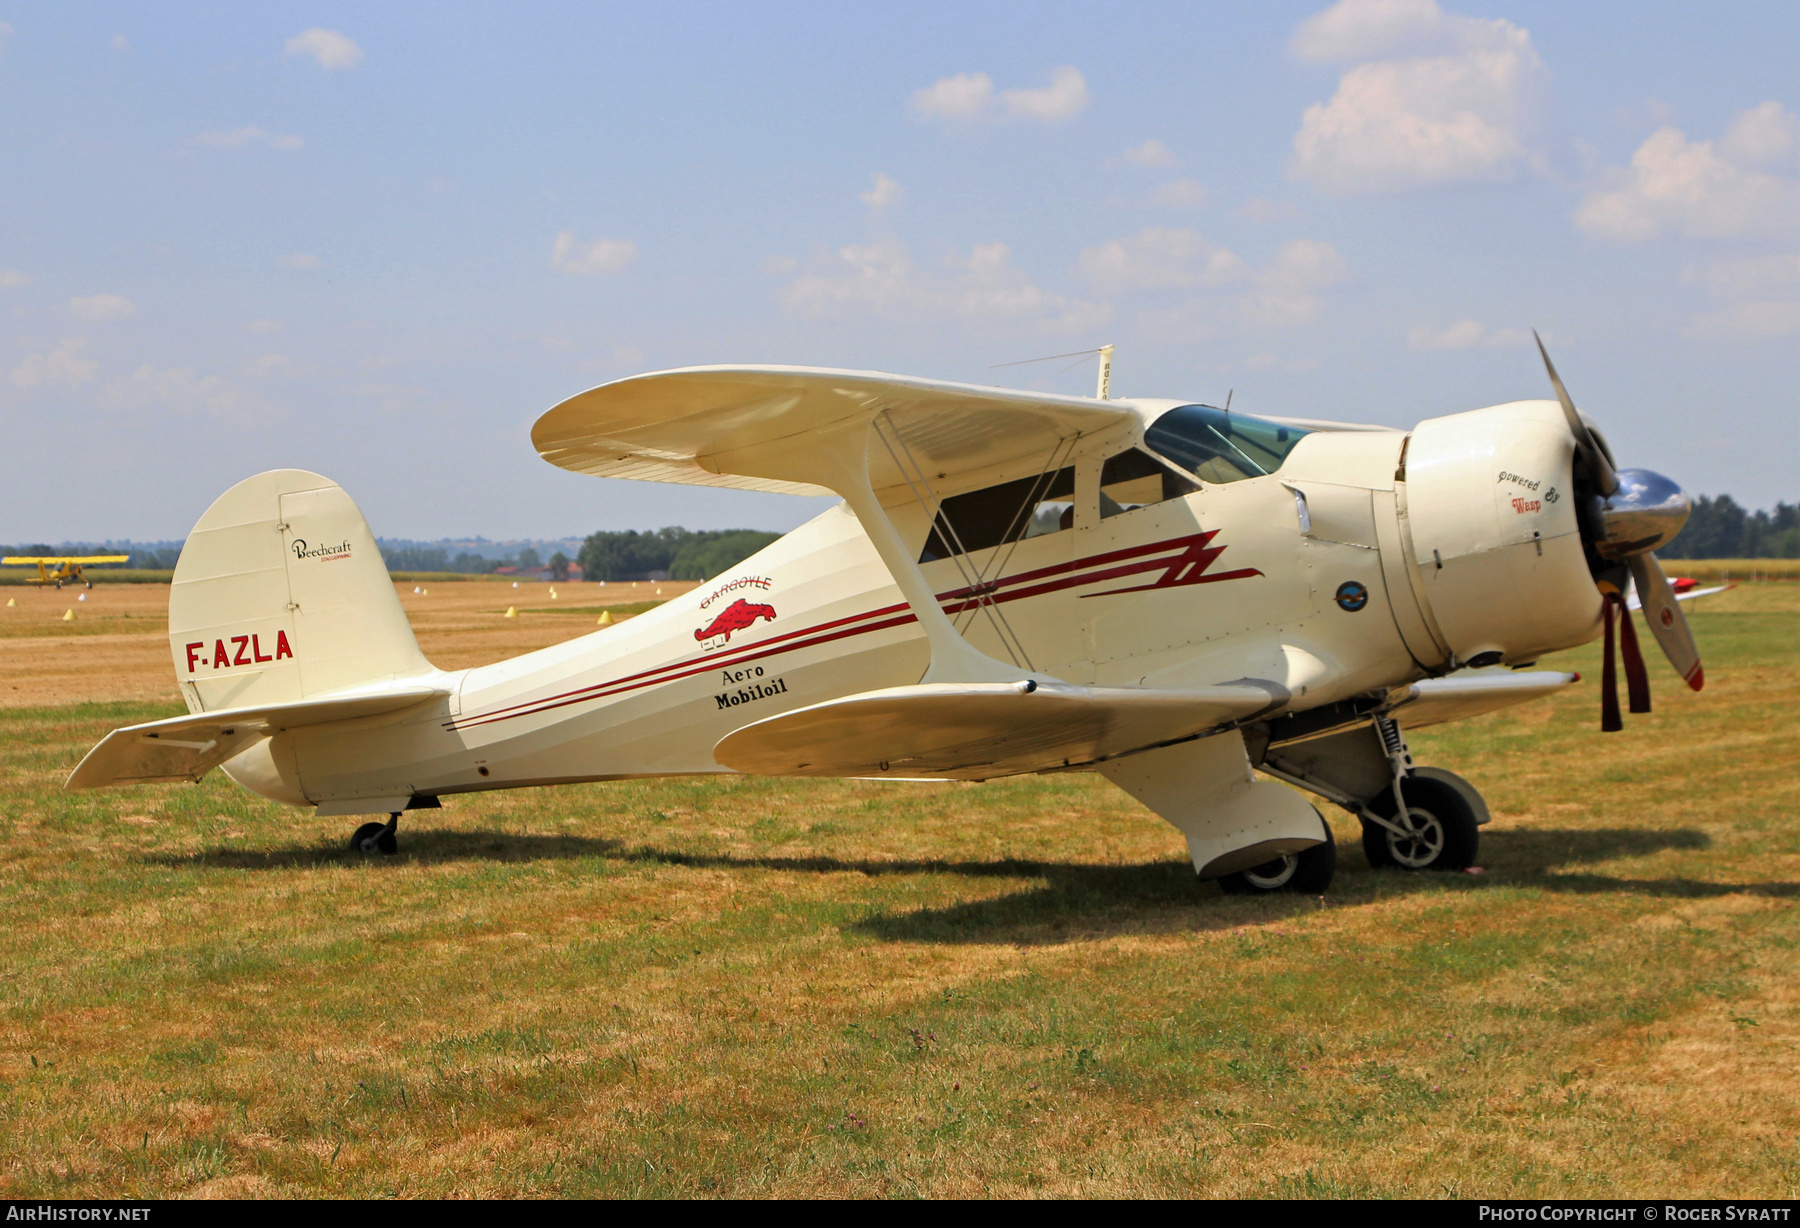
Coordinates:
116 646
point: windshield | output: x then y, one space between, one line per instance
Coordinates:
1216 446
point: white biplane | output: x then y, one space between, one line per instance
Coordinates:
1169 594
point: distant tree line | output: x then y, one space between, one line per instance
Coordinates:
672 553
1720 529
432 558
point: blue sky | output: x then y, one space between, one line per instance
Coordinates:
378 241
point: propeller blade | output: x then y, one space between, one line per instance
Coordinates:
1637 678
1667 623
1605 480
1610 721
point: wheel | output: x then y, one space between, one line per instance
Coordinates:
1307 872
1442 830
374 838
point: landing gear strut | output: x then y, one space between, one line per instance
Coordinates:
377 837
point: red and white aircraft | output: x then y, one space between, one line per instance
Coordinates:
1166 593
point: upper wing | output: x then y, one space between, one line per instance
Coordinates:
188 747
1436 700
714 426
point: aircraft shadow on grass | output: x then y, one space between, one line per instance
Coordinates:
1075 900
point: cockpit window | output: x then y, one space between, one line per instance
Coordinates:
1029 507
1216 446
1135 479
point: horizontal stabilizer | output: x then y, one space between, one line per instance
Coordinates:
1436 700
978 730
188 747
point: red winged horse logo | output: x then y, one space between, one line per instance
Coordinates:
735 617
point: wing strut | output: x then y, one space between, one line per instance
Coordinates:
910 469
839 460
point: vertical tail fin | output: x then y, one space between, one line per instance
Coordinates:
281 594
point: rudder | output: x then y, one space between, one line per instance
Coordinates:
281 594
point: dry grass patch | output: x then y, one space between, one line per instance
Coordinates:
753 987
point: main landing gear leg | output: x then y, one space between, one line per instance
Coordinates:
377 837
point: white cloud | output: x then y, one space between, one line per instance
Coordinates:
1756 275
1463 335
984 285
778 266
1262 210
179 388
102 307
64 364
971 96
1759 319
1766 290
1064 98
120 43
965 96
12 279
1158 258
6 33
333 51
246 138
268 364
1458 336
600 256
264 325
1765 133
882 192
1181 194
1364 29
1454 111
1286 292
1699 189
1151 153
299 261
1282 293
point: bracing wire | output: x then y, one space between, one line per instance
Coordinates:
932 509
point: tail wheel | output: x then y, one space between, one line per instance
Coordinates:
1439 829
1307 872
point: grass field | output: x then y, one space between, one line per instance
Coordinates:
754 987
1737 571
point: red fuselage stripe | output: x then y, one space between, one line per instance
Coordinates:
956 601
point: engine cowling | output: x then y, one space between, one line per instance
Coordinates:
1493 520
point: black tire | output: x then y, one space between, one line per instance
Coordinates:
1308 872
1446 838
374 837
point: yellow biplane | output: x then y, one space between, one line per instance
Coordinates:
61 569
